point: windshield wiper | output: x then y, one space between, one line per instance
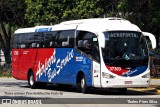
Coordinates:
117 59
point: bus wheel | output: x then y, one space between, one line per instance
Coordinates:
31 81
83 85
122 90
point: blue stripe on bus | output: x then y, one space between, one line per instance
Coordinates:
134 72
43 29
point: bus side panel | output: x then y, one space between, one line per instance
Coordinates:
44 55
61 65
70 63
84 64
55 65
15 62
26 62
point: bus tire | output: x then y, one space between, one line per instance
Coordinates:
122 90
83 86
31 82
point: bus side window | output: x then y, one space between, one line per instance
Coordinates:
35 40
22 41
84 41
66 38
87 42
15 41
49 39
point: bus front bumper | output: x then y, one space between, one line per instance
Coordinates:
125 83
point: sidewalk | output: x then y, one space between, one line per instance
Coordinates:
154 87
155 82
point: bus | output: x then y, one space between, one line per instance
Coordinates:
87 53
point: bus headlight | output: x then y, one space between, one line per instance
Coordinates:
146 75
106 75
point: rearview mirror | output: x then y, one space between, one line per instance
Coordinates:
101 39
152 39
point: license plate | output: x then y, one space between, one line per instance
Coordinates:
128 82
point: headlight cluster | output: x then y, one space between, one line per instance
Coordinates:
146 75
106 75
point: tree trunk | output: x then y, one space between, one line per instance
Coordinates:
7 55
5 41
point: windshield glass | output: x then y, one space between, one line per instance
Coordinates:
125 48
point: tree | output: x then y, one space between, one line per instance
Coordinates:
11 15
43 12
81 9
154 18
109 7
136 11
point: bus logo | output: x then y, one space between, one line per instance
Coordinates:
52 72
115 68
15 52
79 58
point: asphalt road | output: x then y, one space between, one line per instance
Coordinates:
66 97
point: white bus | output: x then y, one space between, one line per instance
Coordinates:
100 53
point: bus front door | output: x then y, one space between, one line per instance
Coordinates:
96 67
96 74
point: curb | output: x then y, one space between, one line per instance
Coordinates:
155 79
144 89
5 77
147 90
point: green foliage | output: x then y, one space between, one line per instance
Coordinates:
5 72
154 16
40 12
11 15
81 9
136 11
12 11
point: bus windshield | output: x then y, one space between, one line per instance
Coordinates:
125 48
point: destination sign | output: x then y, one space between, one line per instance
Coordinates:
122 35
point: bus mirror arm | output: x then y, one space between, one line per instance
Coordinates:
152 39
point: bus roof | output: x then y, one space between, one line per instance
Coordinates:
94 25
103 24
34 29
91 20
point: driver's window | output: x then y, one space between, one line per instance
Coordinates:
84 40
87 42
95 49
143 46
